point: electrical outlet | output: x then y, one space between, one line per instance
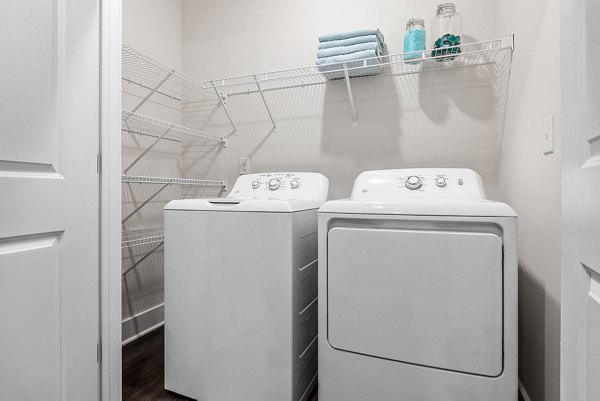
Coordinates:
549 134
244 165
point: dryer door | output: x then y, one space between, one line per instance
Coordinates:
432 298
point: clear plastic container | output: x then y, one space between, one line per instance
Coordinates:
446 32
414 40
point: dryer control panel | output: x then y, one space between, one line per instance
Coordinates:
281 185
418 184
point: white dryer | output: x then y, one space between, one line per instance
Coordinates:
241 290
417 290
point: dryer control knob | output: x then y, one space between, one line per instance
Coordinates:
413 182
440 181
274 184
256 184
294 184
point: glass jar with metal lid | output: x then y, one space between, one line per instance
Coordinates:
446 32
414 39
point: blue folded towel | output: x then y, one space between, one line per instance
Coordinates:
350 41
337 51
332 71
351 34
342 58
358 67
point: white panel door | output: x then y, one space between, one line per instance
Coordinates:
580 303
49 200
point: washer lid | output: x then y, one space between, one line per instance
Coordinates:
243 205
265 192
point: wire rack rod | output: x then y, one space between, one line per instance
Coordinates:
131 238
140 260
166 180
137 123
471 54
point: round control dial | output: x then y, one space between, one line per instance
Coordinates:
274 184
294 184
255 184
440 181
413 182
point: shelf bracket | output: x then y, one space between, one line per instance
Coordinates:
508 42
148 149
262 95
222 97
133 266
350 97
153 91
137 209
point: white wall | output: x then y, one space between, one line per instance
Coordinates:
530 181
154 28
447 119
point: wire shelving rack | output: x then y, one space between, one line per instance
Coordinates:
133 123
157 101
153 81
144 236
136 179
498 51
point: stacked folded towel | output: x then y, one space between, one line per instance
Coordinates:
351 48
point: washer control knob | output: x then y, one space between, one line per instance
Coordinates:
440 181
294 184
274 184
413 182
255 184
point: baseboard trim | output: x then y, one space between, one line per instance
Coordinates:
523 392
142 323
137 315
143 333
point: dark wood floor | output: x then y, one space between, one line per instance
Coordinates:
143 370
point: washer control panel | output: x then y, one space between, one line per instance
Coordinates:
418 184
287 185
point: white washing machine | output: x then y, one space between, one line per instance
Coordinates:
241 290
417 290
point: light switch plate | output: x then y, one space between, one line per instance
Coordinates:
548 134
244 165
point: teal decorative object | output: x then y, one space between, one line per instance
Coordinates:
448 44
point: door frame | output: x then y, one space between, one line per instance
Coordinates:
110 200
573 115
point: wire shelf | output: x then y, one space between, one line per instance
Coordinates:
144 125
166 181
471 54
149 85
131 238
144 71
